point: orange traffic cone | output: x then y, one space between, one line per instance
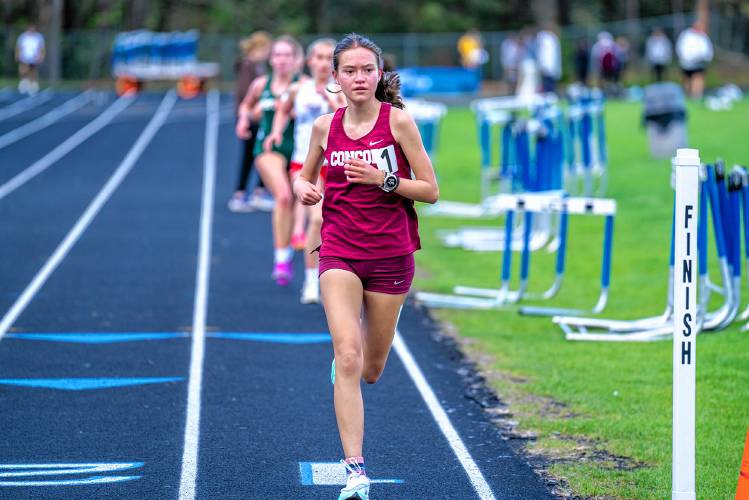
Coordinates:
742 490
127 84
189 87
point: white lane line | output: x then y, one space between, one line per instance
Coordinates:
192 422
477 479
88 216
26 104
47 119
66 147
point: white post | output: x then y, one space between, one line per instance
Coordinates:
686 166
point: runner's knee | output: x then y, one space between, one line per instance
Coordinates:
348 363
372 373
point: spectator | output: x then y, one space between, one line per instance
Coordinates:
582 61
694 51
622 47
605 60
510 55
471 49
658 52
30 53
549 56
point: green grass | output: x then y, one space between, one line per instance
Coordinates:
612 398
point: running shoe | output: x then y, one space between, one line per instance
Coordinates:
263 202
299 241
332 372
357 485
240 205
282 273
310 293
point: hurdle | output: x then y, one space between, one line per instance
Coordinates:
496 120
530 205
428 116
521 170
726 218
586 155
582 206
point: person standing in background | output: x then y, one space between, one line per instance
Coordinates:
30 52
510 55
252 63
582 61
658 52
694 51
549 59
471 49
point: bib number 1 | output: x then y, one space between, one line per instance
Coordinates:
385 159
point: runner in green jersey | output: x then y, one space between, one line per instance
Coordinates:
263 97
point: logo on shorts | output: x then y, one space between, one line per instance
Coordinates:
398 282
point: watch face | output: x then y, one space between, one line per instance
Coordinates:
391 182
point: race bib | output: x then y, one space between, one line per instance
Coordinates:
385 159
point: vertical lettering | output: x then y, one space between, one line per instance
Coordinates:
687 327
686 353
687 215
686 276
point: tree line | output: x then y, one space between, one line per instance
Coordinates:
339 16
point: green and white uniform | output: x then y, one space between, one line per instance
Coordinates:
268 105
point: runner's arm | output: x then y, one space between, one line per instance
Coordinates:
246 106
424 187
281 119
305 186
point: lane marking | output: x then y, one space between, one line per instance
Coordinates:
88 215
64 469
25 104
281 338
117 337
66 146
48 119
95 338
192 421
460 450
83 384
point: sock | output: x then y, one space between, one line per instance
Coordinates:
283 255
310 275
357 464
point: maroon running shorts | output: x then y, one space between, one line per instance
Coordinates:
392 275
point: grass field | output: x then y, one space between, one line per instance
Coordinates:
601 411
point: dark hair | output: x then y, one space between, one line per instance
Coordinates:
388 88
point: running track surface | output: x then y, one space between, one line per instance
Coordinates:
146 353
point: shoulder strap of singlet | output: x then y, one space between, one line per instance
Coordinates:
267 84
383 120
337 122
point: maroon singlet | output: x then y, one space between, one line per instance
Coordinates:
361 221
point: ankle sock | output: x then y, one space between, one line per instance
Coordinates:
283 255
357 464
311 275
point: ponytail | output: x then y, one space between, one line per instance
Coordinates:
388 89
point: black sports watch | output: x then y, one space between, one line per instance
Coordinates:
390 183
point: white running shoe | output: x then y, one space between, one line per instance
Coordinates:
264 203
357 488
310 292
240 205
